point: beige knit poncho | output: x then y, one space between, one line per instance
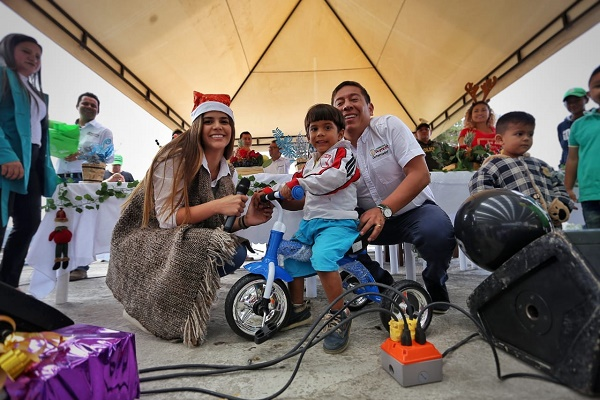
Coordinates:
167 279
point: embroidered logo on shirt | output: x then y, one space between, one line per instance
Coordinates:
325 160
380 151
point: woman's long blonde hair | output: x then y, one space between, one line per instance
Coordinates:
187 152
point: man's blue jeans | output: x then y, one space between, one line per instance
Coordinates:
430 230
591 214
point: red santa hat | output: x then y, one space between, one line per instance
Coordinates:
211 102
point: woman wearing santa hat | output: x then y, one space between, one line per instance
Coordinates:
168 248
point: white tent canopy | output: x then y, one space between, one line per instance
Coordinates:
278 57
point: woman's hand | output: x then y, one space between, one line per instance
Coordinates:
258 212
72 157
232 205
13 170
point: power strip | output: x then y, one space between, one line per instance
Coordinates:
413 365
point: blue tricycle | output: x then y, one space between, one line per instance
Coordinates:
259 303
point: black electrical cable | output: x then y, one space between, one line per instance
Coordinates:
310 330
459 344
292 352
301 348
486 335
301 351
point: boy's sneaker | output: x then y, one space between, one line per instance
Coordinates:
441 309
299 316
439 294
338 341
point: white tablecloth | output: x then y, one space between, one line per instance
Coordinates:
92 231
451 189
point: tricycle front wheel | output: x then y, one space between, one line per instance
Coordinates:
243 300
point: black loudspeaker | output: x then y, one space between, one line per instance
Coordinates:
543 306
30 314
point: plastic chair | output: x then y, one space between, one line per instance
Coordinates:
409 259
310 286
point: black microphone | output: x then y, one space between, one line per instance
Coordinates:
242 188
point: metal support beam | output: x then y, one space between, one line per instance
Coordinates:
522 55
93 47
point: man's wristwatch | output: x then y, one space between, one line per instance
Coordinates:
385 210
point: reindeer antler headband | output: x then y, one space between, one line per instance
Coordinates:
486 88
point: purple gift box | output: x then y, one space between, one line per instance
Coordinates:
92 363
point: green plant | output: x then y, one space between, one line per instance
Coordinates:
258 186
450 135
460 158
87 201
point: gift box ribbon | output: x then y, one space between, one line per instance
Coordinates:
21 349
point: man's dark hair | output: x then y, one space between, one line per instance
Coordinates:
513 117
363 91
176 132
88 94
245 133
324 112
596 71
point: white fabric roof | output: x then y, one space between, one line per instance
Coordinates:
276 58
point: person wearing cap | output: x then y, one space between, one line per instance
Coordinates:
168 248
582 163
423 136
574 100
117 174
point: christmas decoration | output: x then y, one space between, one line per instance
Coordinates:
298 150
61 236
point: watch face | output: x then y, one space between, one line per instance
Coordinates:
386 211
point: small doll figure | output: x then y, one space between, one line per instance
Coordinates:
61 236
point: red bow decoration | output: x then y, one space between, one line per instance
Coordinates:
200 98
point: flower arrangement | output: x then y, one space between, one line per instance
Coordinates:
97 153
256 186
461 158
247 158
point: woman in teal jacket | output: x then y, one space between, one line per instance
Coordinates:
26 169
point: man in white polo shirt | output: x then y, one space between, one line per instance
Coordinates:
280 164
91 133
393 193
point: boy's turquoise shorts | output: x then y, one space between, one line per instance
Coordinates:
330 240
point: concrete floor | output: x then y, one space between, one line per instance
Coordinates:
468 373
